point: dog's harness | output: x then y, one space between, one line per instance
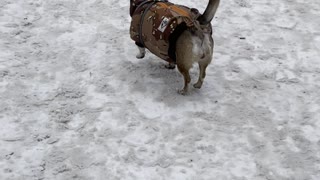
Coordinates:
152 2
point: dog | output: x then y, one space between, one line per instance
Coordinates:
178 34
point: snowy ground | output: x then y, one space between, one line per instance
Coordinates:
76 104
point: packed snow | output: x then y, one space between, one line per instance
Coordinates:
77 104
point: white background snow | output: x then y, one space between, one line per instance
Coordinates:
75 103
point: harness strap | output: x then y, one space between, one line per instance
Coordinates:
152 2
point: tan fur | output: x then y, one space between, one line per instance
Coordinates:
192 48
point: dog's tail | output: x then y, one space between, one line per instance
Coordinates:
209 12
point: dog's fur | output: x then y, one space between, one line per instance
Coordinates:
194 45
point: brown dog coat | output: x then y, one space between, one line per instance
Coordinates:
154 25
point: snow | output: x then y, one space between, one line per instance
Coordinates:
77 104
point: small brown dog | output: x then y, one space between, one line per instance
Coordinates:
175 33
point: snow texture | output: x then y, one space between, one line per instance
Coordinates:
77 104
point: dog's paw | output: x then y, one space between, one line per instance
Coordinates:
140 55
170 66
182 92
197 85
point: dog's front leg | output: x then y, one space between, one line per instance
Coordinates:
142 52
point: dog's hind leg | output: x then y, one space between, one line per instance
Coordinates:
184 70
185 58
202 74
